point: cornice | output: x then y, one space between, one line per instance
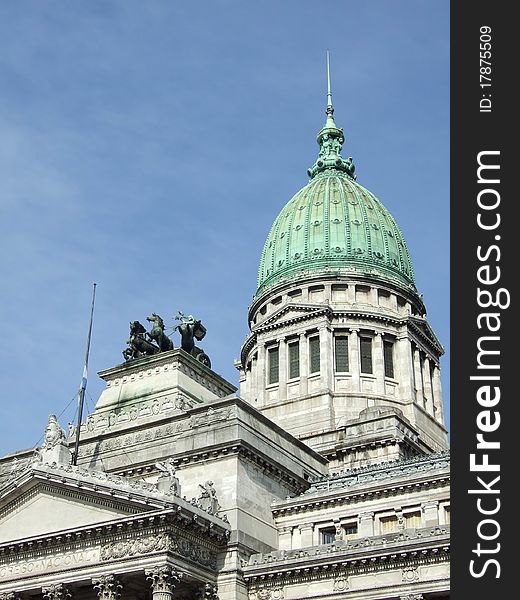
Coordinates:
381 480
191 525
406 549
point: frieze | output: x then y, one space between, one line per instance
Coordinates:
143 410
65 560
159 543
170 430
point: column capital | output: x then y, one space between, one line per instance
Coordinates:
108 587
56 591
411 597
9 596
163 578
429 504
209 592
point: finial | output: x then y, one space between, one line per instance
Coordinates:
330 140
329 93
330 109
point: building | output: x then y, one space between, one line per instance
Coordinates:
327 477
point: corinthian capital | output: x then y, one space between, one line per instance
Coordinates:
57 591
9 596
108 587
209 592
163 578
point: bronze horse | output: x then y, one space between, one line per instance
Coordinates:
157 333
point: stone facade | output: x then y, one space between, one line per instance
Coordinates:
327 478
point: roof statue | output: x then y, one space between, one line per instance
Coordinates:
157 333
55 448
192 329
167 481
146 343
139 343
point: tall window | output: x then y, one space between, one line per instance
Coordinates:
314 354
274 365
294 360
365 345
341 353
388 351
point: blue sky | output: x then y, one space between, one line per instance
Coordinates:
148 146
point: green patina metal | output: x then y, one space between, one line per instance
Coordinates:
334 225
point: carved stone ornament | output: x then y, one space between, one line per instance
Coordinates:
163 579
209 592
410 575
108 587
9 596
341 584
55 448
57 591
412 597
167 481
207 499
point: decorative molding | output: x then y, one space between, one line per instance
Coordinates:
115 442
209 592
410 574
108 587
425 471
163 578
56 591
161 542
403 549
340 584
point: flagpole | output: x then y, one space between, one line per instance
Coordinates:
83 387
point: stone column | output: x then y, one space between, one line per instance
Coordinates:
430 511
404 369
56 591
282 369
419 396
261 377
366 524
325 357
379 363
437 394
304 365
427 382
108 587
163 581
354 364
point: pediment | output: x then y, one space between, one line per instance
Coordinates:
42 510
290 314
46 499
422 328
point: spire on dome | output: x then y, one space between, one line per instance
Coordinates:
330 140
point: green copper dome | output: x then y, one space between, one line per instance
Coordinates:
334 226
